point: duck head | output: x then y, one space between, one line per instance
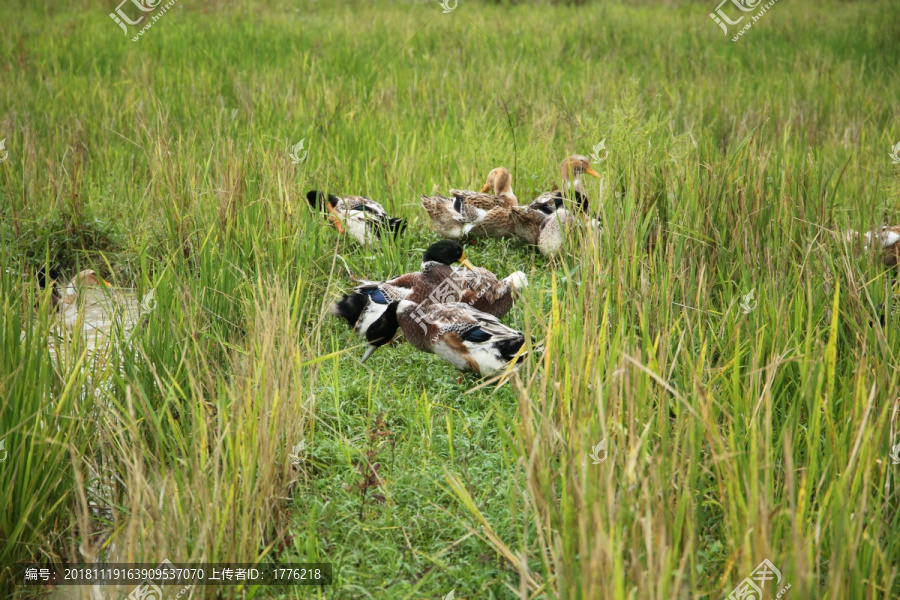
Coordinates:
383 331
573 166
447 252
330 202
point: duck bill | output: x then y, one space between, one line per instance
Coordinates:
591 171
335 220
370 349
486 188
465 262
106 283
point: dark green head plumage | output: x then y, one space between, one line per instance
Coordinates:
445 252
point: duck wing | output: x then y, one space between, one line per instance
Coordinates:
450 215
372 216
468 338
527 223
483 291
463 194
548 202
364 204
483 201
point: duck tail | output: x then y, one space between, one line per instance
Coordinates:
349 307
510 346
396 225
436 201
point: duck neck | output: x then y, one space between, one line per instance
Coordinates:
576 185
433 268
70 292
576 193
504 189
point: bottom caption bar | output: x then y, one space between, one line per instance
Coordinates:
177 574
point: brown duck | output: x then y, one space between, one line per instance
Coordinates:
467 338
467 210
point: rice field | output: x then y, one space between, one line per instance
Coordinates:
716 402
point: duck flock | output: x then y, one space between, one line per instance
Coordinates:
455 312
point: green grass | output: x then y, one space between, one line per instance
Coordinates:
731 437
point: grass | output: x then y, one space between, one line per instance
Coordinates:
732 437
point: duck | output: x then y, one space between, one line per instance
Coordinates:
437 281
499 181
467 338
44 277
888 237
884 317
466 211
83 280
365 219
546 231
573 190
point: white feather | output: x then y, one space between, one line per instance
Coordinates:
356 226
370 314
518 280
447 353
889 238
489 361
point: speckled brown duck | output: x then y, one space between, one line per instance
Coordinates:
467 338
500 182
466 210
